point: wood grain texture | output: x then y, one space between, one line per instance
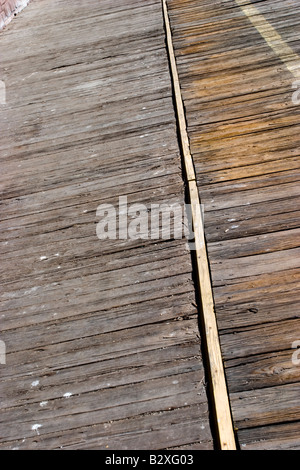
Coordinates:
244 137
103 347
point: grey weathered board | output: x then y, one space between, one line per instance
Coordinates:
244 135
103 350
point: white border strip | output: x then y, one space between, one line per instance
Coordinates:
272 37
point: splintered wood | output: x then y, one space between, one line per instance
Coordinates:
102 340
242 109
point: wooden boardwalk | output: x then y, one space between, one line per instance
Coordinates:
238 65
102 341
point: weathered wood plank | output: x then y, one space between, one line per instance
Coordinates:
266 406
259 371
278 437
118 434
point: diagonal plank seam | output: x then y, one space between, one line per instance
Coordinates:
218 386
272 37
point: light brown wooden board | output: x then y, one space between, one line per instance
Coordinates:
217 382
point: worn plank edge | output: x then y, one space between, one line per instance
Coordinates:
216 374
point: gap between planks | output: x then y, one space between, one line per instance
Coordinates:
221 405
